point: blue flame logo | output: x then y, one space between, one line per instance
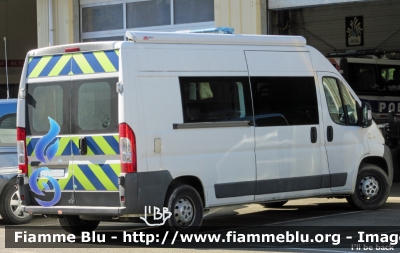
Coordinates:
45 150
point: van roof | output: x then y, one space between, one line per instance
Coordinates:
210 38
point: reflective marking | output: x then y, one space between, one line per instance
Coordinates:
104 61
104 177
85 182
88 173
83 64
40 66
61 65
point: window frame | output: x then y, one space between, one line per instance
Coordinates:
85 36
244 99
340 84
306 80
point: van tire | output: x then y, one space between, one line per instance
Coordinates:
186 206
75 225
371 189
9 209
274 204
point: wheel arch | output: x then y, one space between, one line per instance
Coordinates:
5 182
193 181
385 162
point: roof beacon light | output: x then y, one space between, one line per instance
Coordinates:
220 30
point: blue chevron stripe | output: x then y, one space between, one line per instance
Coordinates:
93 62
50 65
92 177
113 57
113 143
94 147
32 64
110 174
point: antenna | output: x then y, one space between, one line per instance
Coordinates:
5 51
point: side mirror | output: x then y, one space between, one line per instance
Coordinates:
366 115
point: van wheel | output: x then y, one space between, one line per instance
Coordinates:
274 204
75 225
10 208
186 206
371 189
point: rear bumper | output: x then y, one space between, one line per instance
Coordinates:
75 210
137 189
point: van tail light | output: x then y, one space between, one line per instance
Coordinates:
127 149
21 150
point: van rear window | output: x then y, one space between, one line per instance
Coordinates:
79 106
94 103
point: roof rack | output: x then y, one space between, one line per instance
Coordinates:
220 30
212 38
357 53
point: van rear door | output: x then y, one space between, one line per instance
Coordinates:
95 141
48 140
72 105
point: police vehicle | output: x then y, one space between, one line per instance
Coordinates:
374 78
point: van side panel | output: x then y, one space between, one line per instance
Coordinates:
215 156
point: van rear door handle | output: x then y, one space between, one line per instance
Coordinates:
313 134
329 133
83 145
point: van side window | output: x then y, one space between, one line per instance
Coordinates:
283 101
337 95
210 99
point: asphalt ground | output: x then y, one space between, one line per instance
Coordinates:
321 212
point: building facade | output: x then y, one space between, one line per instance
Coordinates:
328 25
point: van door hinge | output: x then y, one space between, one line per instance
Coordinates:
22 93
119 87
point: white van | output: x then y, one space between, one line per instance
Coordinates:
190 122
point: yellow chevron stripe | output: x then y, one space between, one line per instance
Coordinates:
29 170
40 66
103 144
83 63
83 179
116 137
104 61
102 177
60 65
116 168
63 144
116 51
30 59
63 182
